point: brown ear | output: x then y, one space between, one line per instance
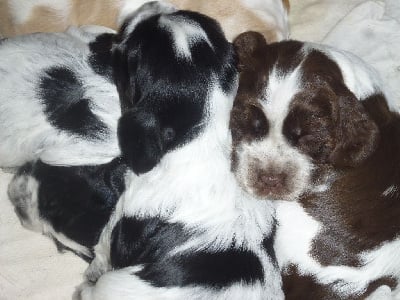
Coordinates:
249 46
357 134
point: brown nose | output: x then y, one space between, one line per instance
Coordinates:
272 183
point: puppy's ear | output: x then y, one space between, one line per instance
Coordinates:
357 135
140 140
250 46
123 72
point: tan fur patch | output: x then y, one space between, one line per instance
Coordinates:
96 12
234 17
6 25
42 19
286 3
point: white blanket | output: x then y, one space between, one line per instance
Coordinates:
31 268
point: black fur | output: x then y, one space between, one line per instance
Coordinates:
65 105
100 59
148 242
175 94
78 201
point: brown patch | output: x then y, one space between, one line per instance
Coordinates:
41 19
305 287
361 209
6 24
234 17
102 13
355 133
286 4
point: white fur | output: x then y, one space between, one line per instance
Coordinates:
192 185
360 78
183 36
297 229
293 244
274 151
26 133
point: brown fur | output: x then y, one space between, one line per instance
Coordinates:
304 287
356 214
357 143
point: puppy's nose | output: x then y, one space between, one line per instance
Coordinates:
275 181
272 184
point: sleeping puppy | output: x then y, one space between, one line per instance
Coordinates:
53 104
311 126
22 17
185 229
163 106
71 205
66 90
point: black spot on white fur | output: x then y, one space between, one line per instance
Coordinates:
149 242
65 104
76 201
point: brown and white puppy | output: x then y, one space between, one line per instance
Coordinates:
235 16
311 126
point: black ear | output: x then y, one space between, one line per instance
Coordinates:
357 134
123 72
248 47
140 140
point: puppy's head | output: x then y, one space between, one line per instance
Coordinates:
293 117
166 65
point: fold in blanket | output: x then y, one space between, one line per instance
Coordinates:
372 31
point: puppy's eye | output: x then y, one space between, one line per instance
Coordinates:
168 134
257 125
258 122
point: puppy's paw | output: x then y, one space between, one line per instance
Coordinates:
83 292
95 270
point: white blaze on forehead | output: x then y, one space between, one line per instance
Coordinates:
184 34
279 93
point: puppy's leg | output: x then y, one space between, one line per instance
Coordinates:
124 284
22 191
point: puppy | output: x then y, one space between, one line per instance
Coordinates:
71 205
185 229
45 196
311 126
21 17
53 104
66 90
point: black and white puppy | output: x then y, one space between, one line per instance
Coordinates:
53 104
311 125
59 101
72 204
185 229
